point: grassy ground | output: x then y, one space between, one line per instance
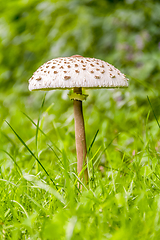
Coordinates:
39 198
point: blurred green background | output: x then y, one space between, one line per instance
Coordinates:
126 151
124 33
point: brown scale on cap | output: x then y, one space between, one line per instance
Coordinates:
61 67
103 72
67 77
97 77
77 71
38 79
76 65
69 66
92 71
112 76
53 67
55 72
92 65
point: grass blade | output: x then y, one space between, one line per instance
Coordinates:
21 140
99 157
20 172
56 155
153 111
93 141
36 125
44 186
24 211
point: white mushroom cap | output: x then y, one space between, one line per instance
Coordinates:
76 71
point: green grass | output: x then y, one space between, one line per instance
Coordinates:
39 198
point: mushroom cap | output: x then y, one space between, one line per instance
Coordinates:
76 71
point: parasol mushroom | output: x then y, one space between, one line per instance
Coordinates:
77 72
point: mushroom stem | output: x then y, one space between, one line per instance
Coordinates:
80 134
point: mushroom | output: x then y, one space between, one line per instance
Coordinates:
77 72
